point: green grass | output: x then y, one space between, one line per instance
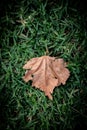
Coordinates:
28 30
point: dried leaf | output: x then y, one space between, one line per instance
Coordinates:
46 73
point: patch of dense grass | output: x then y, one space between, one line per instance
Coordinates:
32 29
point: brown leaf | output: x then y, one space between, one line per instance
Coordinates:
46 73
